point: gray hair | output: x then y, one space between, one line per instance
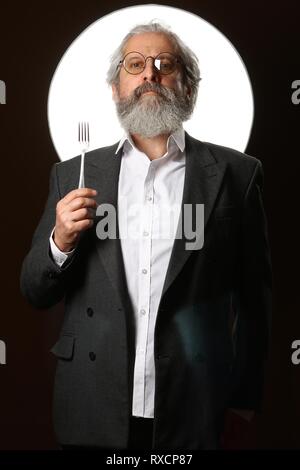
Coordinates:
191 72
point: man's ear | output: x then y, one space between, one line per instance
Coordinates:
188 92
115 94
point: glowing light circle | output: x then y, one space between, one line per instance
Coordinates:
78 90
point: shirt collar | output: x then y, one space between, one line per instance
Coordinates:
177 137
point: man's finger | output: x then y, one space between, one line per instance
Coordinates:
82 214
81 202
83 224
75 204
80 192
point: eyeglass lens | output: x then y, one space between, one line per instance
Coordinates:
135 63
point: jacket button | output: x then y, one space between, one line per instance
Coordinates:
92 356
51 275
90 311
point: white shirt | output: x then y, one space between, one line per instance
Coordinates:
149 197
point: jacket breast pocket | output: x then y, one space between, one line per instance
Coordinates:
64 347
226 212
226 220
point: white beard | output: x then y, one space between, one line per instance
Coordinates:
152 115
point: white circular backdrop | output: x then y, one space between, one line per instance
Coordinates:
79 92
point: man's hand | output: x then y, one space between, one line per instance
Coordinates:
74 214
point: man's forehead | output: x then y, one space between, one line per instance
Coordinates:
150 43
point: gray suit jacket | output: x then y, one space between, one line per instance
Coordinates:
211 334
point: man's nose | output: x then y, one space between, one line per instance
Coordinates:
150 73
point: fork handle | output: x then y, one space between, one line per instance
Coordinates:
81 177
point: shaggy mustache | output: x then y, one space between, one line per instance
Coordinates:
127 104
148 86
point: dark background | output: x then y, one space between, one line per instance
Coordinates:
33 38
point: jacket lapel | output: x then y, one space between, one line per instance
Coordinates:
203 178
102 173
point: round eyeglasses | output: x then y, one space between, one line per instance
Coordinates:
135 62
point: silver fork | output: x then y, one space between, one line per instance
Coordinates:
84 141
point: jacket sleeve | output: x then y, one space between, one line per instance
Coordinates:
42 280
252 301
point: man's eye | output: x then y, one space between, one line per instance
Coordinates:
136 65
166 65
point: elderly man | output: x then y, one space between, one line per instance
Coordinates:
158 341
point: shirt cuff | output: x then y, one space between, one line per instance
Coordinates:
58 256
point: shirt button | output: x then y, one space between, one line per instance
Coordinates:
149 198
144 271
92 356
145 233
143 311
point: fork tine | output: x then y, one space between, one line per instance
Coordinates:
84 141
84 133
